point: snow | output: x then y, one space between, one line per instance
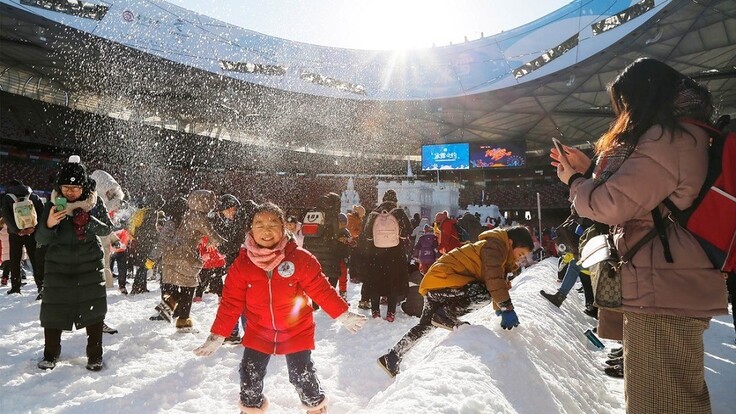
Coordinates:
545 365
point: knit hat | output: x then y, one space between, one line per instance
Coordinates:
342 218
390 195
227 201
72 173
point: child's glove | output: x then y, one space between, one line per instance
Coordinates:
352 321
209 346
509 320
149 264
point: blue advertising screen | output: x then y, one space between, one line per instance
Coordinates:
498 155
445 157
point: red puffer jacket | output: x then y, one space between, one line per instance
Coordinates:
277 308
211 257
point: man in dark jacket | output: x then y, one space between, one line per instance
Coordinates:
19 238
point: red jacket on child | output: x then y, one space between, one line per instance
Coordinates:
277 308
211 257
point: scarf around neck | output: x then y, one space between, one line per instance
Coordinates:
610 161
264 257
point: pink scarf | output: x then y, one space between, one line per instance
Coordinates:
264 257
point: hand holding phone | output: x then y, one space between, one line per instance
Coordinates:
560 150
60 203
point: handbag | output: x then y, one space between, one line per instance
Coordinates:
599 254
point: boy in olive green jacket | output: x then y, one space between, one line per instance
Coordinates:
444 285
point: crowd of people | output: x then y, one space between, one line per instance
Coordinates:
271 271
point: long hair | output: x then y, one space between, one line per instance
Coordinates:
642 96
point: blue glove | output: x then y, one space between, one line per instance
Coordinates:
509 320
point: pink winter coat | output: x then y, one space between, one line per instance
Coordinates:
658 168
277 309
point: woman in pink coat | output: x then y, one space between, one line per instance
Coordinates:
651 153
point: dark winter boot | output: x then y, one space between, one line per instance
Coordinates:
616 353
615 371
50 356
591 311
390 363
556 299
108 330
615 361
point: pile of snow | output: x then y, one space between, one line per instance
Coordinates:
546 365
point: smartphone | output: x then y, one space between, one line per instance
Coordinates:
60 203
560 149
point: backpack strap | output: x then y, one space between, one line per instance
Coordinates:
660 225
15 199
712 131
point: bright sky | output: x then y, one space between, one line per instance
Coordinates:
376 24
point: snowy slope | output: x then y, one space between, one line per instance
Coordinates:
545 365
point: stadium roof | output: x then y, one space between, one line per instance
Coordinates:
553 85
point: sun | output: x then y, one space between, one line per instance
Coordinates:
405 24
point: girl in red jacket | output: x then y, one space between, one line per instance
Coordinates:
272 281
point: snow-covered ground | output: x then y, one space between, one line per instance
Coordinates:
545 365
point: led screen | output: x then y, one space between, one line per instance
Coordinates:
498 155
445 157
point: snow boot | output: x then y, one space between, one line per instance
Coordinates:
255 410
156 317
48 361
615 361
108 330
591 311
376 314
344 296
616 353
185 325
390 317
320 408
94 364
615 371
556 299
50 357
166 308
233 339
364 304
390 363
45 364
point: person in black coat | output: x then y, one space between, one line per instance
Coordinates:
144 228
325 246
74 287
389 273
20 238
471 224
